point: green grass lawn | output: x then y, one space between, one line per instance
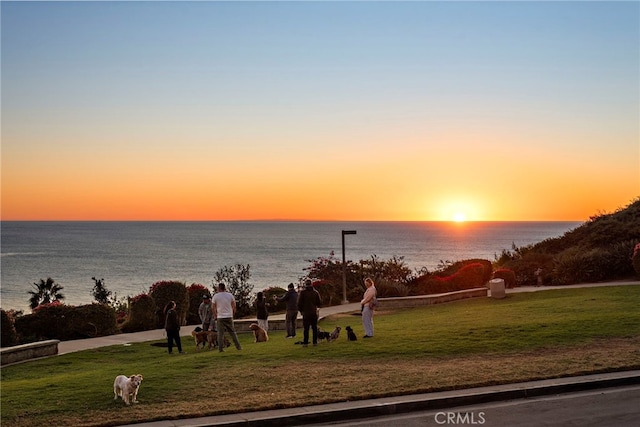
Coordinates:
462 344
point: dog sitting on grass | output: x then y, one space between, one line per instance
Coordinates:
335 334
127 388
259 333
351 336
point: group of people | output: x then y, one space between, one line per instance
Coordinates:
217 314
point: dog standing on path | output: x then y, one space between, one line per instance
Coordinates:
127 388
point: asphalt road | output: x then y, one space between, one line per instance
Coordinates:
617 406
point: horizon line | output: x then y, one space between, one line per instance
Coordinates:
287 220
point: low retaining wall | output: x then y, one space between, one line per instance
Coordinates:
242 325
422 300
34 350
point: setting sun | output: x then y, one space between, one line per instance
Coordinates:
459 217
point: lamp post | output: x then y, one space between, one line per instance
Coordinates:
344 268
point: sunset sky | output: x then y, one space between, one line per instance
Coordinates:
319 110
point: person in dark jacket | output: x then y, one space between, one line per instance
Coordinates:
291 316
262 311
309 303
172 326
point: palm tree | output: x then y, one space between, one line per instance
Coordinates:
46 291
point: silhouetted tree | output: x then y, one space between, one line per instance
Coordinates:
100 292
46 292
236 278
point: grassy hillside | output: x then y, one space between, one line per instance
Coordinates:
478 342
600 249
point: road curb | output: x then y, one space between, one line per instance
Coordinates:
344 411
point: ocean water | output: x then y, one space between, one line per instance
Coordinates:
131 256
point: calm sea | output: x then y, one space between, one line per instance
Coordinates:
131 256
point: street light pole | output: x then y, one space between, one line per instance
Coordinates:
344 268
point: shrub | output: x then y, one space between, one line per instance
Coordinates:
93 320
328 271
468 277
388 288
527 263
100 292
142 314
8 336
635 259
164 291
274 305
471 276
236 279
582 254
451 268
583 266
64 322
328 292
196 291
509 277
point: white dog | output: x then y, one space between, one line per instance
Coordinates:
127 388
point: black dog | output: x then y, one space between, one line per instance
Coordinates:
322 335
351 336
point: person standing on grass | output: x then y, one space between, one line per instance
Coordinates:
291 316
224 308
368 306
309 303
262 312
205 311
172 326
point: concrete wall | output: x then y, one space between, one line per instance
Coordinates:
422 300
20 353
242 325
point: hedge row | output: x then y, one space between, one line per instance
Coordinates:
64 322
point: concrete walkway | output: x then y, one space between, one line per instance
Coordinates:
376 407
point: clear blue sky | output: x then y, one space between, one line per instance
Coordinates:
442 107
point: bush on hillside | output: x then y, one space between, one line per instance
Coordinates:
328 271
597 250
65 322
142 314
164 291
527 263
196 291
635 259
274 305
509 277
387 289
450 268
468 277
593 265
330 293
236 279
8 336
